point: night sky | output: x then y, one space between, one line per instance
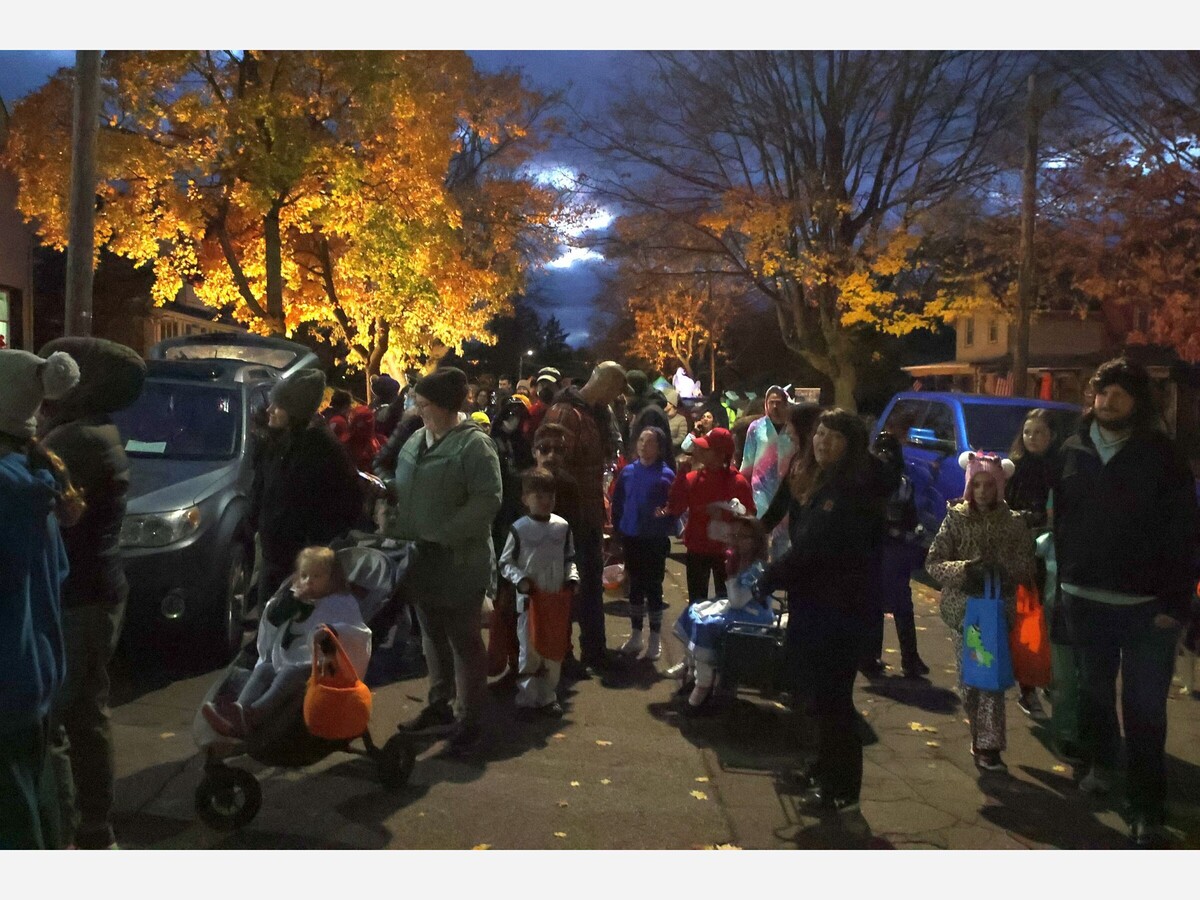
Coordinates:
568 291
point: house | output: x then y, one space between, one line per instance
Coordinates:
17 242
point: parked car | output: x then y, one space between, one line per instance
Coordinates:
934 428
191 440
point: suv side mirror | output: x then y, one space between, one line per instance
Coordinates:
926 439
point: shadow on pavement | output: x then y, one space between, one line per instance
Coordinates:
1049 813
916 692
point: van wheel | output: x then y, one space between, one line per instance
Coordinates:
225 635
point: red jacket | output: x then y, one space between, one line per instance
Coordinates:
698 489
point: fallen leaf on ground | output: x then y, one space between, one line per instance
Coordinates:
559 736
700 795
922 628
167 734
574 784
948 671
560 834
932 744
865 712
603 743
420 815
605 781
777 704
917 726
703 779
890 650
966 721
563 803
482 847
1059 768
721 847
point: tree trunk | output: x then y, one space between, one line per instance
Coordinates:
274 265
1027 274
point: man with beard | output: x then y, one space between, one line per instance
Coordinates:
1124 531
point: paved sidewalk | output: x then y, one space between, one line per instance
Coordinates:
622 770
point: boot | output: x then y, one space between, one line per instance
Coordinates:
906 634
654 647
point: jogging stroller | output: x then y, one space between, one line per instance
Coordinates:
228 797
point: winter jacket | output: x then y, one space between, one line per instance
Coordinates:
447 495
1128 526
639 491
590 449
80 430
1028 489
305 492
835 544
679 430
33 565
999 536
693 492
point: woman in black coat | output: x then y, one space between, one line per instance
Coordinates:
306 490
836 524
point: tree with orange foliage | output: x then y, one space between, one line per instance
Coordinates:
293 186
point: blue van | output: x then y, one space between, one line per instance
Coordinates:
934 428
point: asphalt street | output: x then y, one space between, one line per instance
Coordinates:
623 770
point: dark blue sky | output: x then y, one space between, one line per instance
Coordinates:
586 76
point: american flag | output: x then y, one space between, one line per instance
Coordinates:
1003 386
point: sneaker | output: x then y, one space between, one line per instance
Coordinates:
552 710
1096 782
819 800
914 668
678 670
989 761
874 669
634 645
435 715
1148 834
219 723
1032 706
654 647
463 737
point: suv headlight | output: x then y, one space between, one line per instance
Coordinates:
160 529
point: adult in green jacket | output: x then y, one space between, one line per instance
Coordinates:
448 491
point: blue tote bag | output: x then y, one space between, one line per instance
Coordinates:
986 659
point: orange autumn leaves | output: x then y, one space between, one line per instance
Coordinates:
375 193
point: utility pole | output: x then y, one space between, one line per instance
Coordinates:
81 236
1027 274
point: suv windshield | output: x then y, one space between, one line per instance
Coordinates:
173 420
994 427
275 357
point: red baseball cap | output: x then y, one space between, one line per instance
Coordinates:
719 440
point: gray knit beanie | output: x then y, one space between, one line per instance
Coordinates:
27 379
300 394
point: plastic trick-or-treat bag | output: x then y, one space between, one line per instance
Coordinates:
986 658
337 705
1030 640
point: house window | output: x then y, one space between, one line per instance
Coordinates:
5 330
993 331
969 339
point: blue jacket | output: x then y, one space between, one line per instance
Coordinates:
639 491
33 566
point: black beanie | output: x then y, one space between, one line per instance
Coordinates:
445 388
300 394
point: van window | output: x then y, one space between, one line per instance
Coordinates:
940 419
905 414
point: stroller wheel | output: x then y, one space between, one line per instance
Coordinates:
227 798
396 761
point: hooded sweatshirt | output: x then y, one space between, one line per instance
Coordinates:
79 428
639 491
716 484
33 565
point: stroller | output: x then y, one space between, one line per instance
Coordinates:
228 797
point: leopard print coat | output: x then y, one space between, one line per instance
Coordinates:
999 535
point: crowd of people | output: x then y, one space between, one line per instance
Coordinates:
528 490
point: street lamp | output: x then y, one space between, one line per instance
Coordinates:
521 363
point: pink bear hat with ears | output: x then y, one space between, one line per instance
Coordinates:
1000 470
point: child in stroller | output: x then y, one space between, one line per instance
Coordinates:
372 571
319 595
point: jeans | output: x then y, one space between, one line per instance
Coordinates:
1124 639
699 565
455 655
81 746
28 817
588 605
825 645
269 689
646 565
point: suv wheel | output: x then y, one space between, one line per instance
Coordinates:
227 632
